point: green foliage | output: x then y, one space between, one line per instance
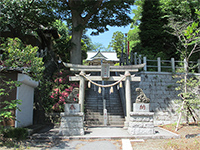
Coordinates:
190 96
54 92
183 24
188 35
182 10
5 114
22 16
15 133
155 42
134 39
17 55
98 47
137 11
62 87
112 13
44 91
118 43
62 44
152 18
97 15
6 86
88 42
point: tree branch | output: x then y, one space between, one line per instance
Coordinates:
192 51
95 10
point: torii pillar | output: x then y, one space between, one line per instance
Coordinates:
82 91
128 98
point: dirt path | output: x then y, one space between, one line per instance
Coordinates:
190 140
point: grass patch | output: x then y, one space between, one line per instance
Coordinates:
183 144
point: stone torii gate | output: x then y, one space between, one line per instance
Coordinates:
127 77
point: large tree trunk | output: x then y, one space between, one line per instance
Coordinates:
77 31
75 53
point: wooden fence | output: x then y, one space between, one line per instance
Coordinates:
164 65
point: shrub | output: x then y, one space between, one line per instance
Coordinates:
16 133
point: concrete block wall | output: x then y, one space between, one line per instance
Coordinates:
160 88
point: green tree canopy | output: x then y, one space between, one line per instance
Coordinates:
137 11
23 16
181 14
133 38
117 42
155 42
182 10
17 55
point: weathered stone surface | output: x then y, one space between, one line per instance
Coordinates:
72 132
141 98
141 123
141 119
141 131
71 124
160 89
148 114
72 118
140 107
72 108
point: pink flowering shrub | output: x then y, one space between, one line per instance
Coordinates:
62 87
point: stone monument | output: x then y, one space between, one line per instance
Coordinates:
72 119
141 119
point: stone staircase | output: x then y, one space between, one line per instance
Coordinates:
94 107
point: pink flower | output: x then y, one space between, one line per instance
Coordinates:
55 106
67 90
64 94
52 96
60 80
70 88
56 89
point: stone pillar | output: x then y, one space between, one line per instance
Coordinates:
141 121
71 121
82 91
128 98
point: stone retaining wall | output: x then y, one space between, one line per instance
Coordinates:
160 88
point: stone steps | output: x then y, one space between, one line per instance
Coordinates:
94 107
93 120
100 106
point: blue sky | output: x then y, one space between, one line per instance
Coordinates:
106 37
